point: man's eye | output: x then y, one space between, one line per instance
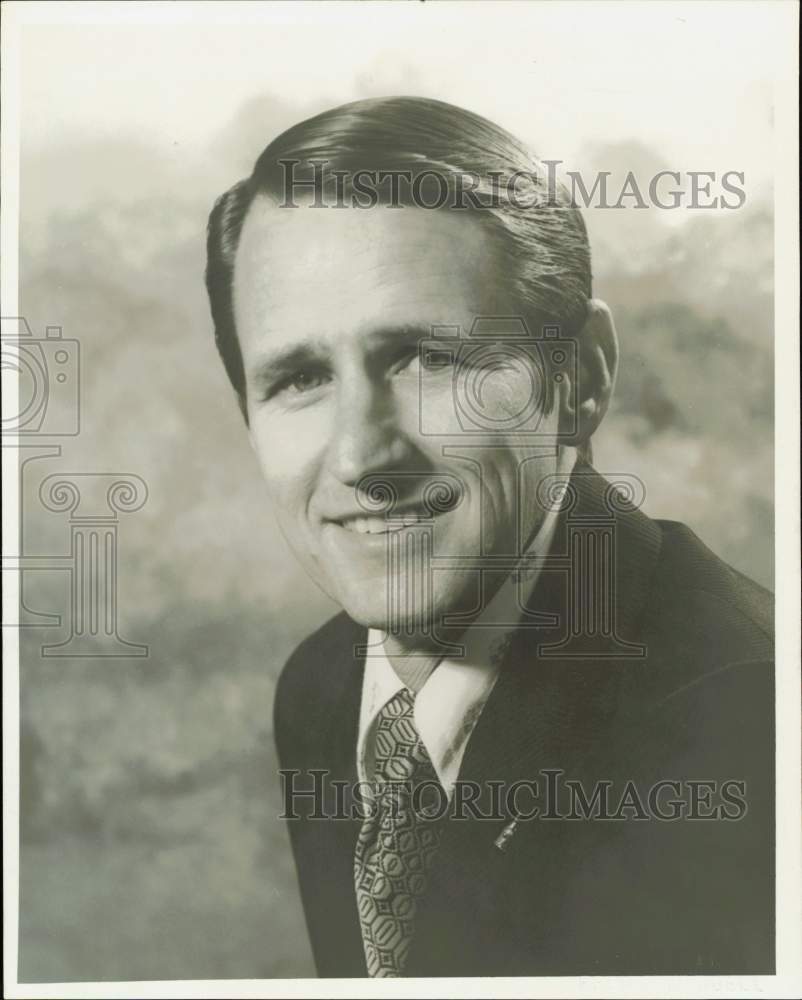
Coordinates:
407 364
304 381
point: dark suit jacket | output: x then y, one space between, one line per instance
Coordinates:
577 897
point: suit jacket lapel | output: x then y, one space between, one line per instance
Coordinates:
546 711
328 846
545 705
340 679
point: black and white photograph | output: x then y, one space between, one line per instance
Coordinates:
401 537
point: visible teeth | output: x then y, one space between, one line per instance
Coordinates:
413 517
366 525
380 525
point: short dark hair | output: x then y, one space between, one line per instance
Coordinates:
545 244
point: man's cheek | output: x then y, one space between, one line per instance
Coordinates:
281 458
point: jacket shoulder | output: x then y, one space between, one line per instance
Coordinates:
712 610
312 680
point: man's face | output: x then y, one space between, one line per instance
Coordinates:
330 307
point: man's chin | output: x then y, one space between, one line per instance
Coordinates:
416 623
376 609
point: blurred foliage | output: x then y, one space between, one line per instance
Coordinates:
151 846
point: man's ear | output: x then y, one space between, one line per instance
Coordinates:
584 405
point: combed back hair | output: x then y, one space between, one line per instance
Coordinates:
542 244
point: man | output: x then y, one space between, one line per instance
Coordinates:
402 300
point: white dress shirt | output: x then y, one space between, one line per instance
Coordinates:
451 700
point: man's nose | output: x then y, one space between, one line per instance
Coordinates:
366 437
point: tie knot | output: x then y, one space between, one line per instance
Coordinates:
402 703
400 753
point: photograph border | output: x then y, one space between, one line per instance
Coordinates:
788 978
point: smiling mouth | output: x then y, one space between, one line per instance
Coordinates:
409 516
438 498
381 524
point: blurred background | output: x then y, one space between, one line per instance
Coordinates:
151 847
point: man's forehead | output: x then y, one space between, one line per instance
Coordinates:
271 229
411 264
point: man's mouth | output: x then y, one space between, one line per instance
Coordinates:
439 498
381 524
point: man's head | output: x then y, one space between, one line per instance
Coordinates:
328 303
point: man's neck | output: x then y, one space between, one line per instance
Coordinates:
415 657
412 668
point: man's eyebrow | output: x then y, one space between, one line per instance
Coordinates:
274 364
401 332
268 366
385 340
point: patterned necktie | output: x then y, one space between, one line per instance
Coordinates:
396 846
